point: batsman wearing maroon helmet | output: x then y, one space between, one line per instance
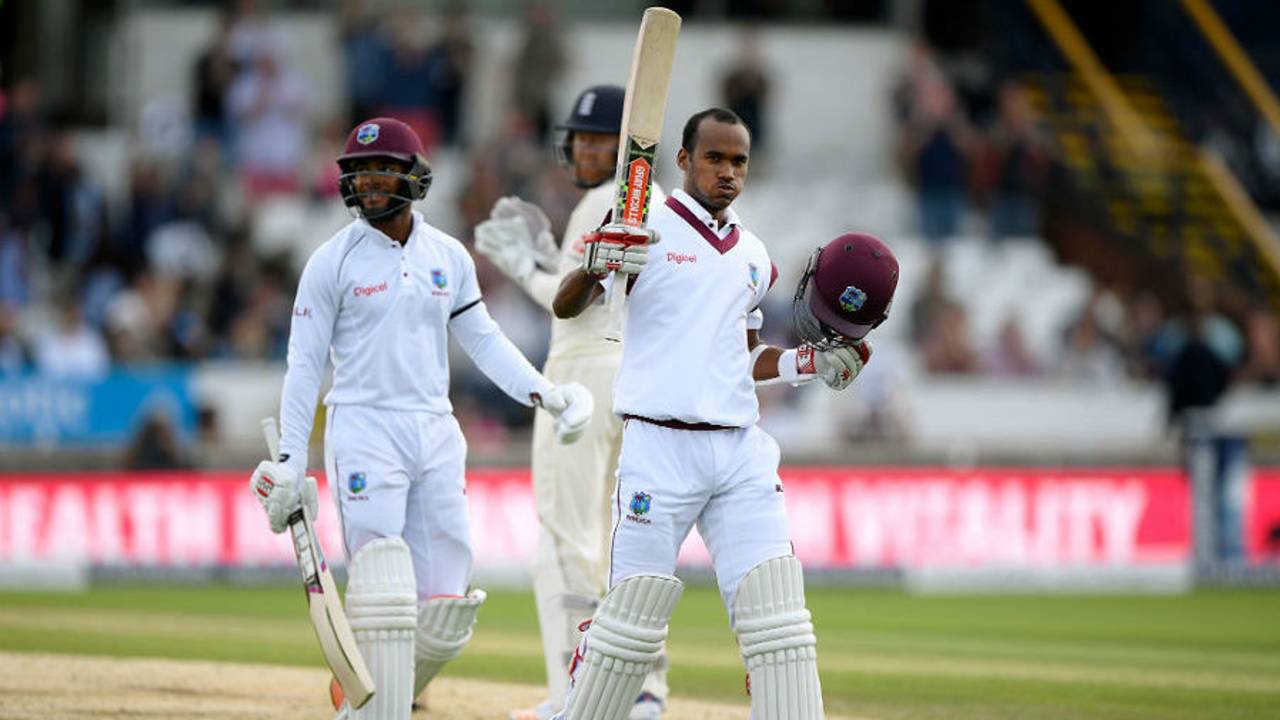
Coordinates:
692 452
572 484
380 300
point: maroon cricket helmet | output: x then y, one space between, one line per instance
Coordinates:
846 291
385 137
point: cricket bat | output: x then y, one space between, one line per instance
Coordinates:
337 642
642 112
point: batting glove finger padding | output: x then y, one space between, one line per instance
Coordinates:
281 492
840 366
505 242
617 248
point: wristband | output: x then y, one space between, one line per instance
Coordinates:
795 366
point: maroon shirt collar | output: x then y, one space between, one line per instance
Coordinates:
722 245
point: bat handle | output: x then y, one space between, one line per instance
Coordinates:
616 308
271 434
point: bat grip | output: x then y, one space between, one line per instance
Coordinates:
616 308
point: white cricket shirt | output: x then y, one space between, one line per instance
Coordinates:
685 353
381 311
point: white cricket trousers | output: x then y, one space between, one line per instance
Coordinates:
726 481
401 474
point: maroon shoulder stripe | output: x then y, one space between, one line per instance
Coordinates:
722 245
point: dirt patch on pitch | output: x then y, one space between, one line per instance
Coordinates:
76 687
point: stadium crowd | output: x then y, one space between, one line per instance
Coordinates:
170 273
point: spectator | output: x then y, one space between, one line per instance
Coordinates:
15 357
745 89
267 105
948 349
928 304
1262 335
248 33
214 72
936 144
15 270
1144 317
539 64
449 64
362 49
150 206
407 93
1201 349
155 446
1009 356
22 131
71 349
1088 357
1021 160
1200 322
73 206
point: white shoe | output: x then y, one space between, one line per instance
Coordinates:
544 711
648 707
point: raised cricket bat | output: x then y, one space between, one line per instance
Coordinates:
642 113
337 643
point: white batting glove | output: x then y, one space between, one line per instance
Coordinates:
504 242
617 248
538 229
281 492
837 367
571 405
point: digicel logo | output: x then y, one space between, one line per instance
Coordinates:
637 189
371 289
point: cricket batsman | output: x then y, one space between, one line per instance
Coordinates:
380 299
572 484
692 452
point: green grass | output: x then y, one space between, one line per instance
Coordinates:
883 654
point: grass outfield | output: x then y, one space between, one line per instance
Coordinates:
883 654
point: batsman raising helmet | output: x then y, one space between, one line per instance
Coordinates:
691 449
380 298
572 483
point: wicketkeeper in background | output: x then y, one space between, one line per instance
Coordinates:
572 484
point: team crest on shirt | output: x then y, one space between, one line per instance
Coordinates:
357 482
852 299
755 276
367 133
640 504
440 280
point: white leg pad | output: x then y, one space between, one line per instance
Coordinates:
382 601
444 627
777 642
625 638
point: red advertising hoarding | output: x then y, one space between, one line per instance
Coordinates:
841 518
